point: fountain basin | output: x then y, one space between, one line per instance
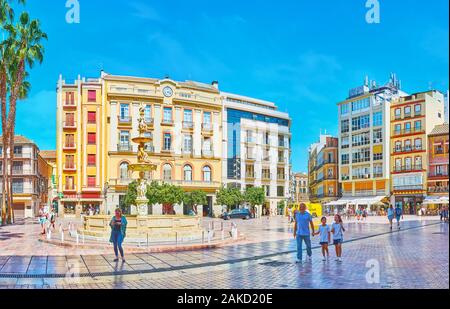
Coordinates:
140 228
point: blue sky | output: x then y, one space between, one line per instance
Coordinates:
303 55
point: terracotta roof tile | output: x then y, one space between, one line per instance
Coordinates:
48 154
440 129
19 139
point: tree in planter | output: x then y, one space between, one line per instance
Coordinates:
153 193
255 196
130 197
171 195
194 199
229 197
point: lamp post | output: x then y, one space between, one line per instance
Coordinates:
105 196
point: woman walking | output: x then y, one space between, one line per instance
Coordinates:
390 215
118 231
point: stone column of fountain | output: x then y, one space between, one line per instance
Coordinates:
143 164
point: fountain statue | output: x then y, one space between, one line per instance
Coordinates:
143 165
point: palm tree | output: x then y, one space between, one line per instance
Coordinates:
6 17
20 49
26 38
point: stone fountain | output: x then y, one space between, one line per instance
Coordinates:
143 165
143 227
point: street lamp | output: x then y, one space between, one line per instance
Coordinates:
105 195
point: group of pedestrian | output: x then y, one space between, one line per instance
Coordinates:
361 214
397 213
47 219
302 233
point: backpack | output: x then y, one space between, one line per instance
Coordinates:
398 211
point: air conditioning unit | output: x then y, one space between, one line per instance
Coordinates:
378 140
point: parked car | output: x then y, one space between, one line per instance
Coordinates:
237 214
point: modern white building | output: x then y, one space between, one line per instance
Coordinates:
364 141
256 147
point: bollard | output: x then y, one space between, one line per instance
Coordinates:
176 238
62 237
223 236
77 237
49 235
203 237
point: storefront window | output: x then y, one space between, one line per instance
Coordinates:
69 208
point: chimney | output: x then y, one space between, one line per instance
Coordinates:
215 84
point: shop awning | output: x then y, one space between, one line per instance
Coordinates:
363 200
435 200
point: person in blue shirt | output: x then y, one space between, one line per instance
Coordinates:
337 228
398 215
324 232
303 220
118 226
390 215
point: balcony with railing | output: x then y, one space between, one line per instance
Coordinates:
69 188
22 171
408 168
69 146
407 149
438 189
188 125
149 147
167 122
167 149
325 162
186 151
281 177
124 147
207 127
69 104
250 175
437 175
70 167
70 125
361 176
149 121
207 153
124 120
360 160
411 131
250 156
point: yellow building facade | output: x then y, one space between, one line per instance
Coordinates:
96 120
413 117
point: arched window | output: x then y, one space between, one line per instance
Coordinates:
187 172
167 172
206 173
124 174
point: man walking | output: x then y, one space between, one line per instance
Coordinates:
303 220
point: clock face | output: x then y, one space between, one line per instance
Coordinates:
167 91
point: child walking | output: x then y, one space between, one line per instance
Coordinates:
337 228
324 232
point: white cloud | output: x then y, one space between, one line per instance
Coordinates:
145 11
